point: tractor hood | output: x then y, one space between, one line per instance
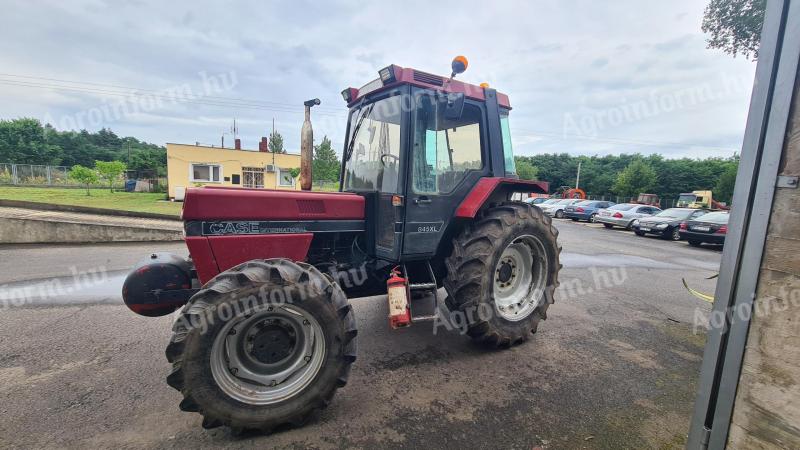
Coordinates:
224 203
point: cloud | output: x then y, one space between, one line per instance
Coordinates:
553 58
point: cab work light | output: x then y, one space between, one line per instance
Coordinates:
387 75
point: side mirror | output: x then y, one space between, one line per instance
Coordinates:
454 106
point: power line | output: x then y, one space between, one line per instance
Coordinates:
133 89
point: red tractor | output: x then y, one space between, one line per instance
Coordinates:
265 334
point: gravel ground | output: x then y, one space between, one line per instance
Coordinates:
614 366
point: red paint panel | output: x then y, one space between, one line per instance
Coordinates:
203 258
232 250
224 203
484 188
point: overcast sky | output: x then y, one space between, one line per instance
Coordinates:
584 77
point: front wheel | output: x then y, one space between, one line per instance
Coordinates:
559 214
263 344
503 272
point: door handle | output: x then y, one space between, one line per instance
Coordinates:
422 200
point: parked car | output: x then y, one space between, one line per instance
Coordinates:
623 214
666 223
586 210
710 228
557 209
537 200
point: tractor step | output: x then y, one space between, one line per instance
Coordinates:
424 299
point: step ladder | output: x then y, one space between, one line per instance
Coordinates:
423 301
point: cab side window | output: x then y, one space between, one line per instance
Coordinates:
444 150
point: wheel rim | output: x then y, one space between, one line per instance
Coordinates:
676 235
592 217
268 356
520 277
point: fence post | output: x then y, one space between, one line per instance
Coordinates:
14 173
49 180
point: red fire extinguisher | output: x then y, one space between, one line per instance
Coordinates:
397 290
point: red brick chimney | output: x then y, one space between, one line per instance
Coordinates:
263 146
237 143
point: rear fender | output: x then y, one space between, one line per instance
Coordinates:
492 190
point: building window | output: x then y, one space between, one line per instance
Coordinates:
285 178
253 177
206 173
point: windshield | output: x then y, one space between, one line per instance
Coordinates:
676 213
687 198
374 146
550 201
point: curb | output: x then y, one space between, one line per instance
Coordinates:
84 209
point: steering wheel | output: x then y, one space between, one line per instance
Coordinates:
393 157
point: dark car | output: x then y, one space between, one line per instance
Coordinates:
666 223
710 228
586 210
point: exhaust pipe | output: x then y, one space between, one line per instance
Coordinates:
306 147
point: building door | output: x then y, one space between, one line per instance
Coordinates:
253 177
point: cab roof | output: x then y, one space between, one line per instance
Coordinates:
393 75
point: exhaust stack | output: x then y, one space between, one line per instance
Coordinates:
306 147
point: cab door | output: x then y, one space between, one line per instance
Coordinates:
446 160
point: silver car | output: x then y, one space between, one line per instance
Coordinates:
557 209
623 214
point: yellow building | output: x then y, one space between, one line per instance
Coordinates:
198 165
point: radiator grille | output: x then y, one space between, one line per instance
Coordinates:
311 206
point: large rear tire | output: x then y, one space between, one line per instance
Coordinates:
503 272
263 344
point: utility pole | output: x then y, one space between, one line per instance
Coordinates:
578 178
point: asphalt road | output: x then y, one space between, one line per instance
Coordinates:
614 366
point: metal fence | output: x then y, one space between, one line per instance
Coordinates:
664 202
34 175
58 176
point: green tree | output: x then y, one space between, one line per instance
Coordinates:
276 143
638 177
525 170
326 164
723 191
83 175
110 171
734 26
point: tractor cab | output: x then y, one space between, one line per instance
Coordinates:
417 144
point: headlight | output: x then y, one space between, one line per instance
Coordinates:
661 226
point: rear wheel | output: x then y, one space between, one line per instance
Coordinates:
673 234
592 218
503 272
559 214
263 344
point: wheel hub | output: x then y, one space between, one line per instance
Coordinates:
272 344
506 271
